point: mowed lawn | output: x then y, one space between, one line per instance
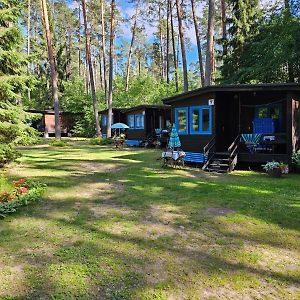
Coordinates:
115 225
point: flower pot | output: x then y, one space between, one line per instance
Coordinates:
276 172
285 169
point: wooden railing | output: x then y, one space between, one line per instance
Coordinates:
233 153
207 151
209 146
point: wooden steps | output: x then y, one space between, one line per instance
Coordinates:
219 163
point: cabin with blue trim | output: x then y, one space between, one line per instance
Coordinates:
144 120
117 117
220 126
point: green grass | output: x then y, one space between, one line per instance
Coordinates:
115 225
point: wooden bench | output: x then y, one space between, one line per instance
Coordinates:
133 143
195 157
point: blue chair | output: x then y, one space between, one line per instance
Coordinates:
251 140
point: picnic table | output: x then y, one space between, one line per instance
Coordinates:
173 158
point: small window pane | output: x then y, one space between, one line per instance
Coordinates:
182 121
205 120
195 120
104 120
131 121
142 122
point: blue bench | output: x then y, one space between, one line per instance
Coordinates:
195 157
133 143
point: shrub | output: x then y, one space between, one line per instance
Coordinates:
23 193
296 158
14 130
57 143
100 141
8 154
271 165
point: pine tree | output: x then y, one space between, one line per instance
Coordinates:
13 82
13 78
243 25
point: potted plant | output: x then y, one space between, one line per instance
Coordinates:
296 160
273 169
284 168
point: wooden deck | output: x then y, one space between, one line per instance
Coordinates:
262 157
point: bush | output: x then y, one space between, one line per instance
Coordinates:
22 193
8 154
57 143
100 141
296 158
271 165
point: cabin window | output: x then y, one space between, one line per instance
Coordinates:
136 121
131 121
273 111
139 122
104 120
201 120
181 120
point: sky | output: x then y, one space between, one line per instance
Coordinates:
127 10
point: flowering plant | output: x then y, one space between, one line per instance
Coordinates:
271 165
23 193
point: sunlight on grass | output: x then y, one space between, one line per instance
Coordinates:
115 225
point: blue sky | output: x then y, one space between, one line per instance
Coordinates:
128 10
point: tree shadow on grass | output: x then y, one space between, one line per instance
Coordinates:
88 260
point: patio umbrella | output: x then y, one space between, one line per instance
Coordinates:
119 126
174 141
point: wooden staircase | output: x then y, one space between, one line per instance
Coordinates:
222 162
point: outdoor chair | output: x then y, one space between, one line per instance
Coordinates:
251 141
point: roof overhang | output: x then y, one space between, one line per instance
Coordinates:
234 88
139 107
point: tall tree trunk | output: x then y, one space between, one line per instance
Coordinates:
91 72
173 46
161 44
79 40
198 39
168 44
224 32
210 43
131 45
182 43
104 50
100 66
111 64
53 68
28 41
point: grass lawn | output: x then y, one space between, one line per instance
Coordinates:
115 225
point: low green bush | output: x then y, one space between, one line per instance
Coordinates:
8 154
296 158
21 194
100 141
57 143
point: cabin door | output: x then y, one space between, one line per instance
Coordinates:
227 122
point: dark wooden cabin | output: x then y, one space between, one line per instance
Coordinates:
46 124
223 125
117 117
143 120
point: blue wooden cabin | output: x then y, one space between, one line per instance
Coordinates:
220 126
